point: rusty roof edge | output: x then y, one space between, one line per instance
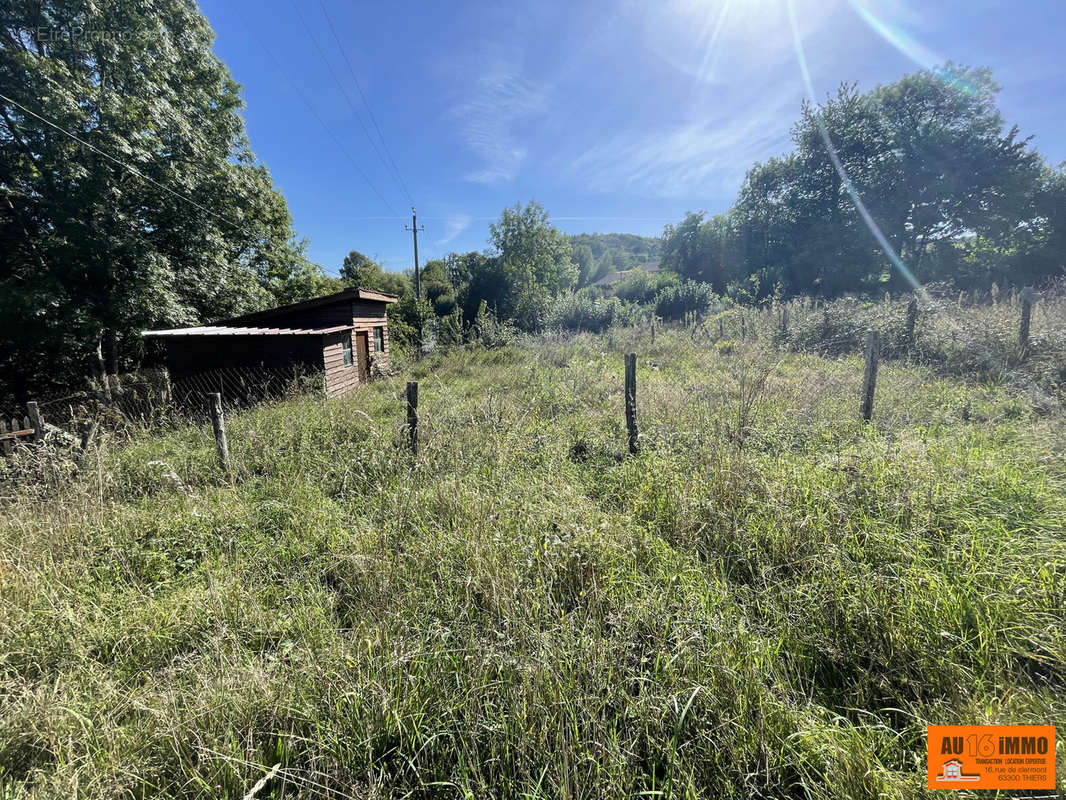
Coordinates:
225 330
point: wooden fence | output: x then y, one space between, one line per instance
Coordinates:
30 427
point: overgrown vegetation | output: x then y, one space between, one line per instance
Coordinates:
773 599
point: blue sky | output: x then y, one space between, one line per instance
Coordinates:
616 116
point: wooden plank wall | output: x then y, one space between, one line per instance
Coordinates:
371 315
339 378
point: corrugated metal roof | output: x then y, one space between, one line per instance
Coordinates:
226 330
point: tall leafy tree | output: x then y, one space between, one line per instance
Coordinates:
934 163
535 257
96 250
366 273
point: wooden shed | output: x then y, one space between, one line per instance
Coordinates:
340 336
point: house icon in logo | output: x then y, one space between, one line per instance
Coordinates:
952 771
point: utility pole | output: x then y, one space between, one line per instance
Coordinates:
418 280
413 227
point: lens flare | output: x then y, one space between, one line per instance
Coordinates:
889 251
710 57
912 48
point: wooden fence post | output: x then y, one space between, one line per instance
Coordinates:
412 416
869 380
218 421
631 401
88 434
653 330
6 445
784 321
35 421
912 318
1023 327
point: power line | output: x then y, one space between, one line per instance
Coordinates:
321 121
369 110
344 91
122 164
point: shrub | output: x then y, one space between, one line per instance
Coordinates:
687 297
488 331
643 287
580 312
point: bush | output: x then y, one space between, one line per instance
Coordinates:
643 287
688 297
580 312
488 331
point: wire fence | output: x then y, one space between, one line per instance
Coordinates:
983 338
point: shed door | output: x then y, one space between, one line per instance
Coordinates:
362 345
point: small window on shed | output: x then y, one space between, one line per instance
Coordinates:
379 340
346 348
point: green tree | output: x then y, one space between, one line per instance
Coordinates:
935 165
94 252
536 260
363 272
582 256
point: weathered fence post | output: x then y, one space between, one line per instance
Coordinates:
219 424
88 434
35 421
631 401
1023 327
412 416
869 380
912 318
653 330
784 321
6 445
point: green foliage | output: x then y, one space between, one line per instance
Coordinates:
583 258
629 249
489 331
115 253
438 290
958 195
534 260
581 311
406 317
688 297
362 272
642 287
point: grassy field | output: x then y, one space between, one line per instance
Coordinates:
771 600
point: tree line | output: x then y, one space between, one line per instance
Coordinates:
916 182
957 195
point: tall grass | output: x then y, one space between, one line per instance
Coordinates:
773 599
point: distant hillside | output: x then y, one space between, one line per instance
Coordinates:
628 248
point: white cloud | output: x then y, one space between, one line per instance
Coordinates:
454 224
687 159
490 119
